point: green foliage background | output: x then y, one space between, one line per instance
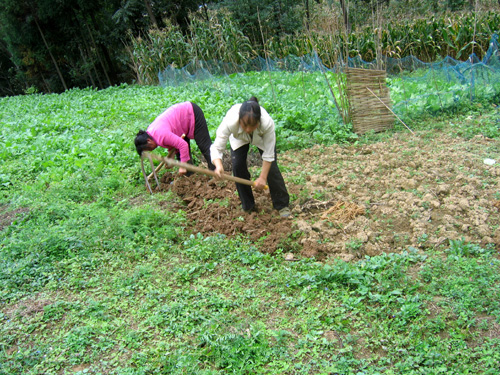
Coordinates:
51 47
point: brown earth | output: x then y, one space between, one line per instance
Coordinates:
8 217
357 200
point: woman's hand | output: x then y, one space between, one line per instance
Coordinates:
259 184
219 169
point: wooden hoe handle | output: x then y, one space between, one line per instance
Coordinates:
192 168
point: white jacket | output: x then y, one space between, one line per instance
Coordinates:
263 137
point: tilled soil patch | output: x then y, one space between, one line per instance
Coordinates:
352 201
214 207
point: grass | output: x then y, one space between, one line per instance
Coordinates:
96 277
214 305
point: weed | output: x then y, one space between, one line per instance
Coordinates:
354 244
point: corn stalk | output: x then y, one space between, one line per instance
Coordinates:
335 57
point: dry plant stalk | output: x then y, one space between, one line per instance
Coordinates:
377 27
314 205
331 28
342 212
267 56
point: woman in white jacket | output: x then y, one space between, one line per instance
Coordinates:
245 124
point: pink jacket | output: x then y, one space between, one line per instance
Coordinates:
168 128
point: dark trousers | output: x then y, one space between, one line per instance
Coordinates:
201 136
277 188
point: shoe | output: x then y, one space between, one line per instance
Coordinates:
285 212
253 209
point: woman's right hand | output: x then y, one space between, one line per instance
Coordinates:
219 169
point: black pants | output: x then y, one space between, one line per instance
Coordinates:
277 188
201 136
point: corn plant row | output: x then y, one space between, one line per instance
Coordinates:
427 39
220 40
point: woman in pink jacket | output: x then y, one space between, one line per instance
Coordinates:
167 131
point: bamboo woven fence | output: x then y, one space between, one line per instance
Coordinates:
369 110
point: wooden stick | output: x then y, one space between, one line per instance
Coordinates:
192 168
144 174
375 95
156 170
153 168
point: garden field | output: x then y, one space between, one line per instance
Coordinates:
389 264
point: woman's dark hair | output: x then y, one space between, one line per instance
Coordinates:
141 141
250 110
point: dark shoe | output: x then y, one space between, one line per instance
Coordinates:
253 209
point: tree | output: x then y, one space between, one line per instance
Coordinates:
345 14
130 14
9 85
68 43
56 65
55 45
266 17
140 15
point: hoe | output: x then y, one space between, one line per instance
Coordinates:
168 161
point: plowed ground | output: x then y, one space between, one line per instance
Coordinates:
351 201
